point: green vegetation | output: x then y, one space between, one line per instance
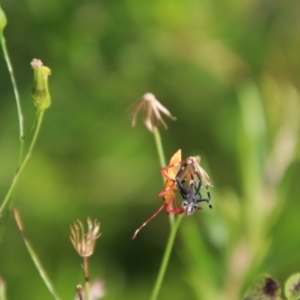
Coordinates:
227 70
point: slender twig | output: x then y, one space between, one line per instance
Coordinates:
79 291
166 258
87 277
23 164
34 257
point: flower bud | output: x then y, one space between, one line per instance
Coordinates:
3 21
40 93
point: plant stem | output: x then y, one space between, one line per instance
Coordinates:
34 257
162 161
21 168
14 84
17 97
79 291
166 258
86 278
159 147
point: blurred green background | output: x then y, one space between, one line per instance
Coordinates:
228 70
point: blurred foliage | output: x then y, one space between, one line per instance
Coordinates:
228 70
292 287
264 288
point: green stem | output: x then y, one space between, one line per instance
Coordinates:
17 97
20 158
14 84
159 147
23 164
166 258
162 161
35 258
18 103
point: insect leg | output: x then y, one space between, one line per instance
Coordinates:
147 221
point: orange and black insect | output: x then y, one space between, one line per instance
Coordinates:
189 181
188 177
168 194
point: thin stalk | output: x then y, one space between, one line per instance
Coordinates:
166 258
14 84
34 257
79 291
17 97
87 278
159 147
162 160
23 164
21 149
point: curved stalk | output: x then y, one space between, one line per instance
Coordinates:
14 84
23 164
34 256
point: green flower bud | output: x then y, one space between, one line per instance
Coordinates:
40 93
3 20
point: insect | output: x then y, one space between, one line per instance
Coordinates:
189 204
192 196
169 197
186 176
189 181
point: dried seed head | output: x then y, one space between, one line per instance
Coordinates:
152 110
270 287
194 162
264 287
84 243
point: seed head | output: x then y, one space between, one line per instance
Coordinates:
195 163
152 110
84 243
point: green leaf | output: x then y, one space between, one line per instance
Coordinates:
292 287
